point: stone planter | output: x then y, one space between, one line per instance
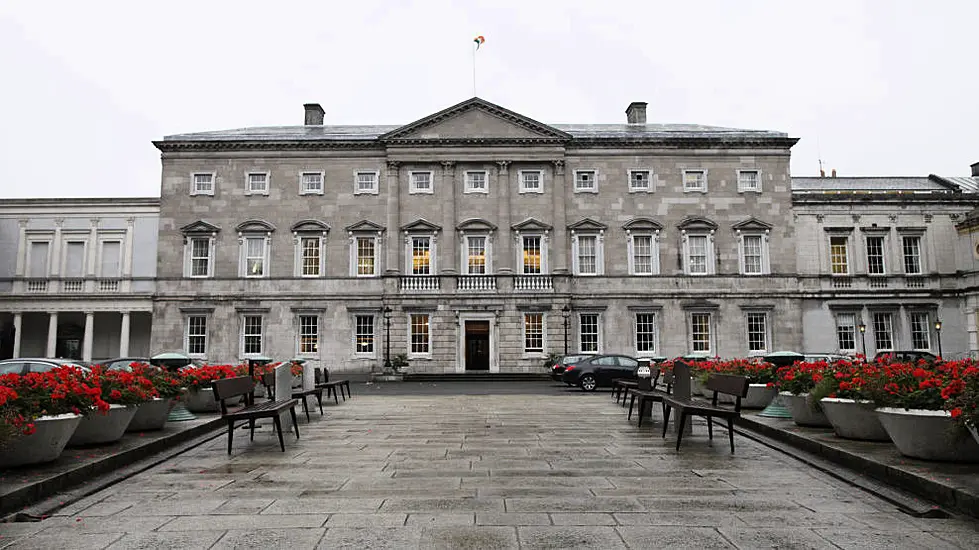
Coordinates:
973 431
854 419
51 434
698 388
103 427
151 415
928 435
201 400
802 412
759 396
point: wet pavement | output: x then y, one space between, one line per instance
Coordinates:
393 468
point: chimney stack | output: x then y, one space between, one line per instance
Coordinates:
975 170
636 112
833 172
314 114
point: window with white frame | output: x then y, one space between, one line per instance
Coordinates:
533 324
201 254
421 255
420 182
311 256
364 334
754 254
700 333
846 332
588 333
196 335
749 180
110 259
585 181
74 259
588 257
699 251
476 182
839 257
255 256
257 183
365 183
645 333
643 254
532 254
640 181
920 330
37 264
531 181
309 334
476 263
311 183
911 247
419 337
695 180
365 256
252 335
875 255
202 183
883 332
756 324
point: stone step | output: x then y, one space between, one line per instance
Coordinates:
475 376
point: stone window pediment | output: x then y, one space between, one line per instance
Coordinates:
588 225
309 226
421 226
255 226
697 223
199 227
365 226
642 224
476 225
531 225
752 224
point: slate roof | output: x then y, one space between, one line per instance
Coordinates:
885 184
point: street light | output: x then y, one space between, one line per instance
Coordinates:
862 327
566 313
387 336
938 330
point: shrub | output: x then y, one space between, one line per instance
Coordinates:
200 377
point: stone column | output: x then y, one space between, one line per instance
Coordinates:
87 340
18 318
124 335
392 252
503 257
52 334
559 243
451 265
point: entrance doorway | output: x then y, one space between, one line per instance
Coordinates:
477 345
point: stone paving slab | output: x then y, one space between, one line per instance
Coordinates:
485 471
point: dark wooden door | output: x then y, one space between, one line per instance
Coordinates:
477 345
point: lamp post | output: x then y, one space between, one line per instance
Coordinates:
862 327
938 331
387 336
566 313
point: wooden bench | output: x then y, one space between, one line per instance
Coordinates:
244 386
718 383
268 380
651 395
323 382
621 387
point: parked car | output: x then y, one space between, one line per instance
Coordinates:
906 355
123 363
557 369
24 365
828 357
594 371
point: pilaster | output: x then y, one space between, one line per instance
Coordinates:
392 252
449 185
560 195
504 257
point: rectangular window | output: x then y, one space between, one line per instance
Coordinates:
310 250
846 337
75 259
700 332
200 257
585 180
697 245
258 183
694 180
533 332
366 183
197 335
757 332
109 263
364 337
748 180
252 335
912 255
419 333
588 332
752 254
587 250
421 182
476 182
920 331
839 261
875 255
254 256
476 256
39 259
311 183
203 184
883 332
421 256
639 180
531 181
365 256
646 333
309 334
531 255
642 254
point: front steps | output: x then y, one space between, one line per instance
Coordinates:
476 376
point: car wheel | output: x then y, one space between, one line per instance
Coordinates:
588 383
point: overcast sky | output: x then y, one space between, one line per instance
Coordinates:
873 87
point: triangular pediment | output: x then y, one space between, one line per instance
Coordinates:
200 226
587 224
475 120
752 224
694 223
255 225
642 224
476 224
309 225
530 225
365 226
421 225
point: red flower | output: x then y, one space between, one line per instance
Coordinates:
956 412
115 394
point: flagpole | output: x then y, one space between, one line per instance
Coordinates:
475 47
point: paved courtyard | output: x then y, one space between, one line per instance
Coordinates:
554 470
